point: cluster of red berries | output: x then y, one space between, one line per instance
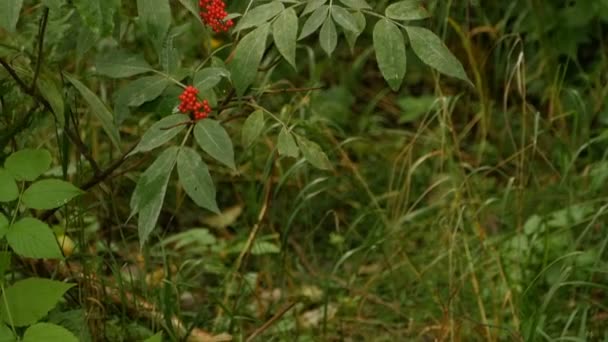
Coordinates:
213 13
190 104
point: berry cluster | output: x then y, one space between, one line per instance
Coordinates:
213 13
190 104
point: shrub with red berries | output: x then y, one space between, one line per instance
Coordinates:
190 104
213 13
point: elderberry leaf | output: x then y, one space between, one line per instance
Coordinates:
213 139
351 37
119 64
313 22
195 179
252 128
431 50
9 14
247 58
356 4
390 52
285 33
286 144
344 18
328 37
208 78
312 5
407 10
155 18
32 238
161 132
99 109
259 15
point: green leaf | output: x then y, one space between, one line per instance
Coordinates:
32 238
312 5
3 229
49 333
356 4
29 300
8 187
247 58
99 110
160 133
286 144
390 52
149 193
252 128
407 10
120 63
328 37
142 90
313 22
314 154
192 7
9 14
52 93
195 179
6 334
260 15
431 50
156 338
351 37
49 194
213 139
285 33
155 18
98 16
28 164
264 247
344 18
208 78
169 56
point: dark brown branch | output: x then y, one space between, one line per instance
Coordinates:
41 32
271 321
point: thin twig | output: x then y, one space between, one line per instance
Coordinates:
41 32
271 321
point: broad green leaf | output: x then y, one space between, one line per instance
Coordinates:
28 164
156 338
344 18
315 21
213 139
99 110
3 228
259 15
312 5
192 7
8 187
407 10
431 50
351 37
155 17
52 93
286 144
49 194
356 4
252 128
285 33
161 132
195 179
313 153
149 193
264 247
142 90
390 52
9 14
49 333
98 16
32 238
29 300
6 334
169 56
120 63
328 37
208 78
247 58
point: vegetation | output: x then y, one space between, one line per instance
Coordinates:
304 170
